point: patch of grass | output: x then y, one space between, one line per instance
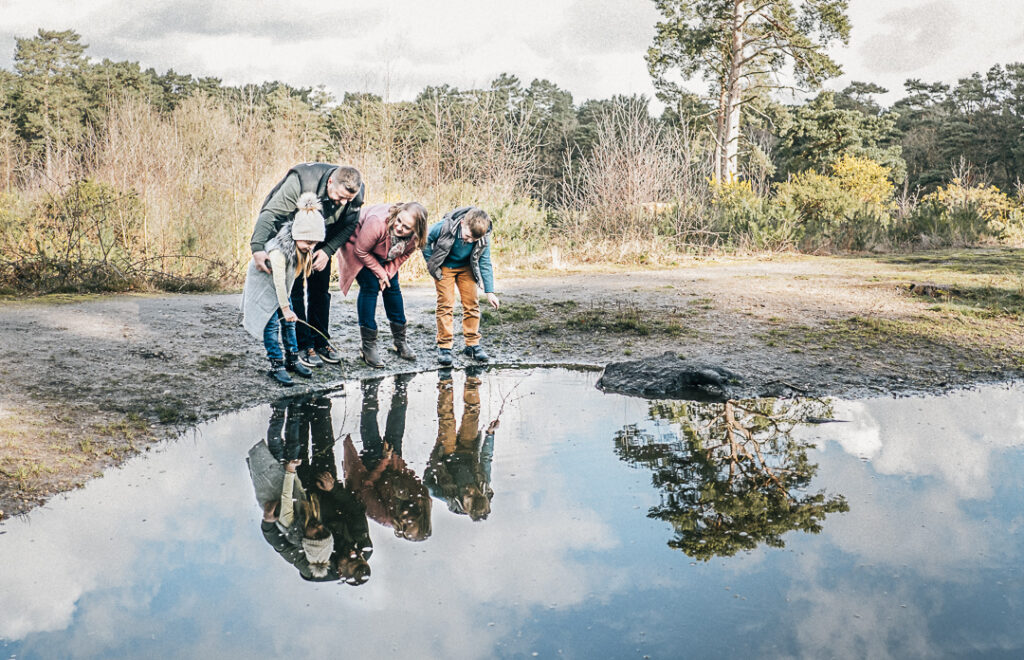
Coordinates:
509 313
702 303
216 361
986 301
980 261
626 320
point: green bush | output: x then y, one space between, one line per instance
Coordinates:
849 209
958 214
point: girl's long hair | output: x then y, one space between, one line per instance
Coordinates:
419 217
303 262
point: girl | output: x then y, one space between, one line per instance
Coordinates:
266 304
384 238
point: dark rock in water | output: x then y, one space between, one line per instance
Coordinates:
668 377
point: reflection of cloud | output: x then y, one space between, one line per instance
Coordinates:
928 455
172 540
949 438
844 619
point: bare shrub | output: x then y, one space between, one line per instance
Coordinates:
633 164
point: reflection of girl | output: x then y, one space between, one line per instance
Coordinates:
301 521
459 470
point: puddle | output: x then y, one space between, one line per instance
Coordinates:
581 524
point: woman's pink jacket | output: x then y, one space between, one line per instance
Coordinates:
370 243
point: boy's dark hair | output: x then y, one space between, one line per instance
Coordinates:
477 221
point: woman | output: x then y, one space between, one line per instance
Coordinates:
384 238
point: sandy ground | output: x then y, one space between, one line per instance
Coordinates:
88 381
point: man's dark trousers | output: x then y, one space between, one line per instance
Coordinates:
311 302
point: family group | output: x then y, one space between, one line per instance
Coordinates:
317 211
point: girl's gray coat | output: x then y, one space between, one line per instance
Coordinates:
259 300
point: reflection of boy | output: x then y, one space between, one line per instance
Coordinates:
459 470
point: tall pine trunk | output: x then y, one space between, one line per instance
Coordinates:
730 99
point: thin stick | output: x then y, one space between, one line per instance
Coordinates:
333 347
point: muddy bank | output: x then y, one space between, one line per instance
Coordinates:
90 381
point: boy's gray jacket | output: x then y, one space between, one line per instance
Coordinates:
259 299
446 240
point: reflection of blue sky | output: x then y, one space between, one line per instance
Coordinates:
164 557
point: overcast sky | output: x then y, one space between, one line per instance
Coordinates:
593 48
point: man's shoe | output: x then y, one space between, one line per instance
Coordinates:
328 355
309 358
292 364
444 357
477 353
278 373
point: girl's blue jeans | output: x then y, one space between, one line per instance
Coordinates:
271 340
366 301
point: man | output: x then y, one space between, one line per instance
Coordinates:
341 192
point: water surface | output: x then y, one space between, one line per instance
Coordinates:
582 525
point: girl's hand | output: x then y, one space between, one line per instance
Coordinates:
384 283
493 299
291 465
290 316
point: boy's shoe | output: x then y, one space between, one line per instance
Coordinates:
474 371
328 355
444 376
292 364
477 353
309 358
278 373
444 357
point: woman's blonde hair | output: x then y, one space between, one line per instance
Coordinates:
419 220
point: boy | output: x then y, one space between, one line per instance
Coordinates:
458 255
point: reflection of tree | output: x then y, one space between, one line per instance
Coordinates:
731 476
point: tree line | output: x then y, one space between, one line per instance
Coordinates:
112 169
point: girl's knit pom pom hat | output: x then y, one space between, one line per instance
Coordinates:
308 224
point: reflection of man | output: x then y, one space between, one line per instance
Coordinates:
341 193
459 471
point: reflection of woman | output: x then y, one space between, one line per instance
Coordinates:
392 493
384 238
459 470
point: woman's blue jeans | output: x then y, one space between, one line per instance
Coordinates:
366 301
270 337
